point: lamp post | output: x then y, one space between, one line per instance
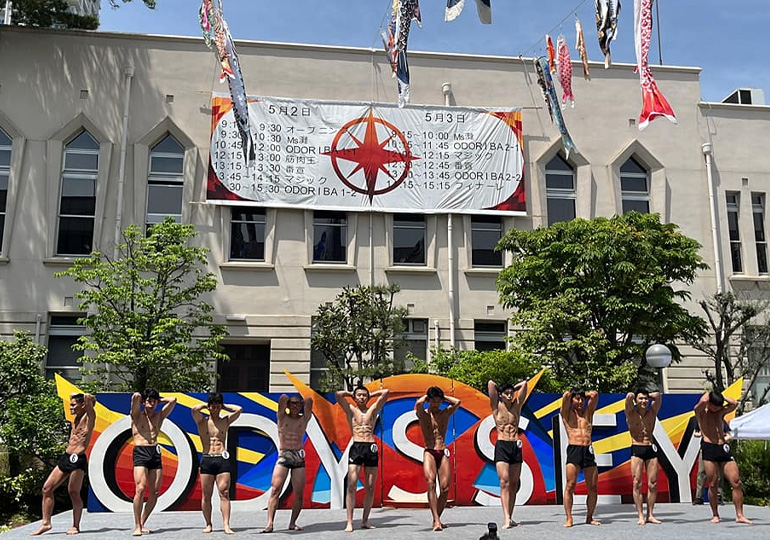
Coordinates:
659 356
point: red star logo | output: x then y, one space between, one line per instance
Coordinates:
371 155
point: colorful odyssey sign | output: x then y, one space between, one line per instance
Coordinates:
365 156
471 436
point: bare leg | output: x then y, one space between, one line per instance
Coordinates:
429 469
444 476
712 475
569 491
223 486
298 488
54 480
731 473
353 471
207 489
503 473
74 486
652 490
154 478
514 477
592 479
276 484
637 468
370 477
140 486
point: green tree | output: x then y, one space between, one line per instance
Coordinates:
357 335
149 3
50 13
591 296
476 368
147 325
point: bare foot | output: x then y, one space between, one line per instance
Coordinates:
744 519
444 525
653 520
367 525
506 525
349 527
42 529
715 519
437 527
514 523
568 523
268 529
295 527
137 532
145 530
641 521
593 522
228 530
72 531
207 529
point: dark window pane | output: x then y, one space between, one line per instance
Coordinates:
762 258
248 369
84 141
247 241
162 164
486 232
643 207
164 199
408 239
2 230
3 191
759 226
735 256
560 181
490 345
633 184
5 158
330 243
248 214
75 161
168 145
75 236
5 139
732 226
60 352
78 206
558 163
490 326
330 218
560 210
632 166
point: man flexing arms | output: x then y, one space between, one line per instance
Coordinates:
73 463
215 461
577 415
291 431
506 403
435 459
641 413
364 451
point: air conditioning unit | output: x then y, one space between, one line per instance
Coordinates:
746 96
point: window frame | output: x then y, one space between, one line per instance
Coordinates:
409 218
560 194
635 196
344 236
760 233
5 171
62 330
489 335
735 244
164 179
477 224
258 212
78 174
410 335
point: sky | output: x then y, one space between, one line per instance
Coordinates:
726 38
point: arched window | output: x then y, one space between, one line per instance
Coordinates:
635 187
560 190
165 181
77 205
5 173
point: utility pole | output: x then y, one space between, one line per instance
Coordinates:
8 9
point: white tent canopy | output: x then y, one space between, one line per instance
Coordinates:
753 425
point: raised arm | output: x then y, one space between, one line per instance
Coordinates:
342 399
454 404
700 407
521 392
731 405
593 401
90 401
494 397
197 413
234 410
168 405
283 404
657 401
136 405
382 397
566 398
630 402
307 411
419 405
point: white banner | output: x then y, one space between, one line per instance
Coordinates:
363 156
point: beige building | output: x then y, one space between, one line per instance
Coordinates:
102 130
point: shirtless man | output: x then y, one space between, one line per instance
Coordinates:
577 417
710 412
361 420
215 461
506 403
641 413
433 423
291 431
73 463
145 427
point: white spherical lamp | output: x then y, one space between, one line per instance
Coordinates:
658 356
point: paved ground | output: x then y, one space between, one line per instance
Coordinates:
681 521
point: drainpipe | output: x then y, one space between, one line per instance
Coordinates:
38 324
8 10
446 89
707 151
128 71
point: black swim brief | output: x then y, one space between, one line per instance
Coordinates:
72 462
292 459
148 457
645 452
508 452
363 453
582 456
719 453
214 464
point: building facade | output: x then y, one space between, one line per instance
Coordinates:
82 114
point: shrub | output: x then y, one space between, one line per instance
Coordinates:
754 463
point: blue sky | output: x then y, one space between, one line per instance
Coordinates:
724 37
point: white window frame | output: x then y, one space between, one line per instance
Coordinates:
487 336
635 195
415 226
343 244
734 207
487 226
760 234
560 194
258 213
164 179
62 330
78 174
5 171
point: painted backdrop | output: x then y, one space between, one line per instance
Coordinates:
471 436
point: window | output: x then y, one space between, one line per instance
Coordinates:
63 333
317 362
5 173
247 234
486 232
489 335
165 182
634 187
330 237
408 239
416 336
560 190
733 208
758 210
77 207
248 369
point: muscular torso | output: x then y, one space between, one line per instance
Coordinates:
362 424
80 435
641 425
712 427
507 421
578 428
433 425
291 431
214 434
145 428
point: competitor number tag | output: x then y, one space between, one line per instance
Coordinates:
301 453
374 448
157 448
226 454
73 458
